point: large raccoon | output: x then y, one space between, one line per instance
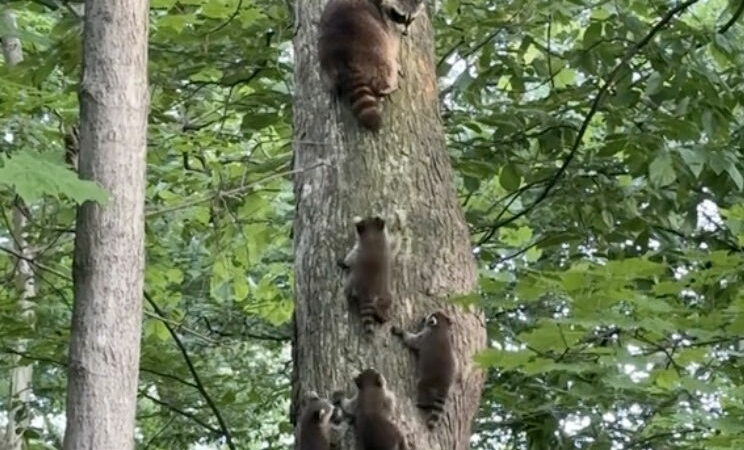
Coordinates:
358 47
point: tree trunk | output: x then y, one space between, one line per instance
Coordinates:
404 175
12 50
109 241
20 376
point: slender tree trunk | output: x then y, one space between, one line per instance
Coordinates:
109 240
404 175
20 376
12 50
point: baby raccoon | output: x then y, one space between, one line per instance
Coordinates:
436 363
315 423
368 280
371 410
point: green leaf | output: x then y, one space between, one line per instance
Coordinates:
666 379
564 78
506 360
694 159
510 178
661 170
654 84
516 237
33 175
218 9
162 4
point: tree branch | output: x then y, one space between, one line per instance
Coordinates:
179 412
194 374
734 17
231 192
596 103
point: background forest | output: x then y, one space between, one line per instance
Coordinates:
599 153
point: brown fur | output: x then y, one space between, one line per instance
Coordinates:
368 283
315 424
372 409
436 364
358 48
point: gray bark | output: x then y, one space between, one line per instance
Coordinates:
12 50
109 245
20 389
403 174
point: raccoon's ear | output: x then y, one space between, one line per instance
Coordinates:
379 382
444 317
378 223
360 226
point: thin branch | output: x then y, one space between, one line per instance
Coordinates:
178 411
159 317
55 362
34 263
522 251
232 192
251 335
604 88
734 17
194 374
158 433
180 326
169 376
229 19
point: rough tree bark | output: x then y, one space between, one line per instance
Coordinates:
21 375
109 241
404 175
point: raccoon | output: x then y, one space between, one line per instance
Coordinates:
372 409
358 46
368 280
436 364
315 423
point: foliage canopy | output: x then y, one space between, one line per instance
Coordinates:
599 148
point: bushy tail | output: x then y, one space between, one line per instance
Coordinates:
364 103
367 313
434 411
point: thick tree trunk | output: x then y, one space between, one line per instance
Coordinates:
20 376
109 244
404 175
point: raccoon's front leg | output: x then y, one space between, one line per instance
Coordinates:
348 261
411 340
346 405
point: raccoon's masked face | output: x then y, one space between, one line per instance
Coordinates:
402 12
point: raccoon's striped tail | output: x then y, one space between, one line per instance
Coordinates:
367 313
434 412
365 104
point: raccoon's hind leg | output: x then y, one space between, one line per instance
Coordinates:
388 80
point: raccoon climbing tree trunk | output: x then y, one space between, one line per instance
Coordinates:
108 267
404 175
